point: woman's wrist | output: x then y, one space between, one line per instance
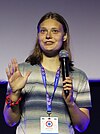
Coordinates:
71 104
11 103
14 96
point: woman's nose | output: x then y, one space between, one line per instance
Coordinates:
48 35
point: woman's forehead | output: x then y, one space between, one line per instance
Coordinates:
51 23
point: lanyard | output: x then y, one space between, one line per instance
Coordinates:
49 98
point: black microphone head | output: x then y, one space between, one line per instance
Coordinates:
63 54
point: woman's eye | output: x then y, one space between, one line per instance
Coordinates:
42 30
55 31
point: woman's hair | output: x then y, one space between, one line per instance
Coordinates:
36 56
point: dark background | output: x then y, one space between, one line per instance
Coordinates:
95 117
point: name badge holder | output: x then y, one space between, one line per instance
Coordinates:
49 125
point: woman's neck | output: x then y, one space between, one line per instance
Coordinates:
51 63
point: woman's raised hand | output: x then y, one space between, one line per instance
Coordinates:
15 78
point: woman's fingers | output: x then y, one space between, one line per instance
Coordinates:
12 68
27 75
8 74
67 82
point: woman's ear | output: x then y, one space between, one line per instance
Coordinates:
65 37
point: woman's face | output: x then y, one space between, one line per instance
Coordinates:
51 36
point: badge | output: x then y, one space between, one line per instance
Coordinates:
49 125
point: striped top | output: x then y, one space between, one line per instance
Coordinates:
34 104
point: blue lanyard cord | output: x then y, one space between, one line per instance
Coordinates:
49 98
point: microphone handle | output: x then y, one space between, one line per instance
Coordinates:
65 70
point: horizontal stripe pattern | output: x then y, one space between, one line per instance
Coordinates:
34 105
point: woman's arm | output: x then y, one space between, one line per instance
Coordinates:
16 82
80 117
12 114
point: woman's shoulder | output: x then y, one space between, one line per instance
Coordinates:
24 66
78 72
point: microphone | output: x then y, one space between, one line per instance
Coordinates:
64 58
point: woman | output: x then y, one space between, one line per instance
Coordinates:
37 101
